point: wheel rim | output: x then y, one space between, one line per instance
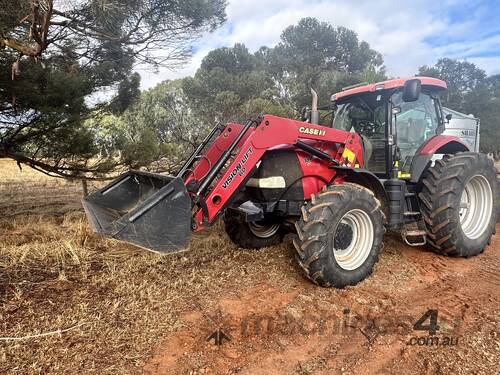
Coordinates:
263 230
353 239
476 205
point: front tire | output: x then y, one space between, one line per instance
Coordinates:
254 235
339 235
459 204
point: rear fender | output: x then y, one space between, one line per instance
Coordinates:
437 145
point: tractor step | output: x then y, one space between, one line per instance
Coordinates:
414 237
412 213
249 211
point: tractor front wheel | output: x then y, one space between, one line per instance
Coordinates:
339 235
458 201
253 235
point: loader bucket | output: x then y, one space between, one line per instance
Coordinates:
146 209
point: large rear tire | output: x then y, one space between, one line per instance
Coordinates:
254 235
339 235
458 201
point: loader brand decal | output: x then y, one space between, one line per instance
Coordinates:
312 131
239 169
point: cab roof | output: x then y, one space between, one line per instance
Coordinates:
431 83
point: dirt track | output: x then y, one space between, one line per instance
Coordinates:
131 311
306 330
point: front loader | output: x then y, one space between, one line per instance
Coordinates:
383 163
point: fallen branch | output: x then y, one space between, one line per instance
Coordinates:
59 331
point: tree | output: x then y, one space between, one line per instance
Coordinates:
138 27
227 78
61 54
160 125
232 83
463 79
41 116
128 92
309 50
493 83
471 91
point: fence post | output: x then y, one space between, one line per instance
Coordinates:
85 188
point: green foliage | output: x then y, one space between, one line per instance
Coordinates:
89 48
463 79
227 78
47 98
168 121
261 105
490 127
128 92
233 84
309 50
143 150
493 83
43 113
162 115
10 14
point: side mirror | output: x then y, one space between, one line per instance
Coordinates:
448 117
411 90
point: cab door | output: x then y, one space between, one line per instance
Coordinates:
366 114
413 124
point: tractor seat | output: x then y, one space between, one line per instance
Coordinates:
367 150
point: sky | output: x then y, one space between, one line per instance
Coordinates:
409 34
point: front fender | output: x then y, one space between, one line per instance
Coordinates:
367 179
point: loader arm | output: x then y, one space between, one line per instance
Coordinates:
214 152
158 212
270 132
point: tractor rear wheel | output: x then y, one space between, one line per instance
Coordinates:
339 235
253 235
458 201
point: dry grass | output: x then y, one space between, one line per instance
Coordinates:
118 301
55 274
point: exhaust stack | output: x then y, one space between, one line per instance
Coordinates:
314 108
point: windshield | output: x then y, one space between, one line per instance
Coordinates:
364 114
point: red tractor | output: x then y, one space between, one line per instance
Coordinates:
382 164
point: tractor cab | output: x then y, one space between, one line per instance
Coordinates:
394 119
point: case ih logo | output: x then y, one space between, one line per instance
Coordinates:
312 131
239 169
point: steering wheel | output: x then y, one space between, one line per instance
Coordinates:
366 127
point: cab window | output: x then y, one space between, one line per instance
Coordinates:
365 114
415 123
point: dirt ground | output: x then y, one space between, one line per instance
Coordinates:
72 302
